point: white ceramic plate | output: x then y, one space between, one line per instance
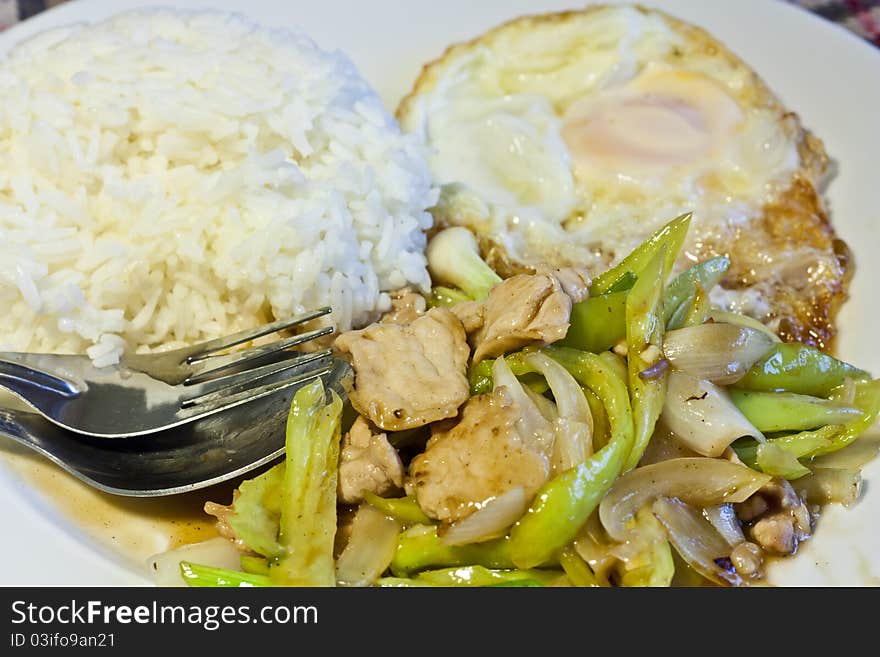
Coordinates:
819 70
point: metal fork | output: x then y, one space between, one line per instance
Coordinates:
146 393
187 457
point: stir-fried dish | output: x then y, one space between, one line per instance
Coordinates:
555 429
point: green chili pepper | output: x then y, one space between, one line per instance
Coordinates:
867 400
788 411
480 375
564 503
597 323
672 236
706 274
793 367
419 548
404 509
644 330
800 445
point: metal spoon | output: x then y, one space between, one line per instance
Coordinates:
177 460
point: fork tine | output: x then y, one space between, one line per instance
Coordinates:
218 389
205 349
209 403
212 364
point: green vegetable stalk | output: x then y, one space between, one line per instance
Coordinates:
788 411
798 368
257 512
644 334
867 400
597 323
404 509
482 576
201 576
564 503
420 548
671 236
576 569
683 288
443 297
308 503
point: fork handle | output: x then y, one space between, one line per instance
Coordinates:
24 380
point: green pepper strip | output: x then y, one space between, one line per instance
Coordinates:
482 576
419 548
787 411
404 509
799 368
868 401
683 287
671 235
597 323
800 445
564 503
197 575
644 324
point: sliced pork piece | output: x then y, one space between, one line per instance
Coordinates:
471 314
479 458
522 310
367 463
408 375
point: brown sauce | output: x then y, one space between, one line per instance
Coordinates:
131 528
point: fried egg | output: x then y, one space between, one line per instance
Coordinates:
567 139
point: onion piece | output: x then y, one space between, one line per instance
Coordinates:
702 415
723 518
488 522
826 486
698 481
723 317
697 541
218 552
574 426
721 353
370 547
532 423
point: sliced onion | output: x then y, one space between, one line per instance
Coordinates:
723 518
370 548
702 415
826 486
532 424
665 445
218 552
698 481
490 521
724 317
697 541
574 428
721 353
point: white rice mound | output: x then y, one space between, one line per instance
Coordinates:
168 177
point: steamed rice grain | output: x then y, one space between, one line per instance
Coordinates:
167 177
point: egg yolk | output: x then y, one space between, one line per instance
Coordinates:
658 121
